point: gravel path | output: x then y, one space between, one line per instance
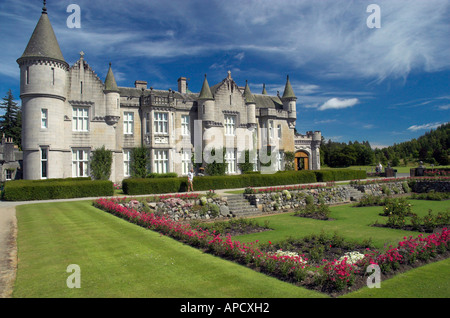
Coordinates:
8 248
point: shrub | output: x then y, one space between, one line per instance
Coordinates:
162 175
139 162
26 190
100 164
339 175
399 206
135 186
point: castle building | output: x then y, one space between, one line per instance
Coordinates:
68 112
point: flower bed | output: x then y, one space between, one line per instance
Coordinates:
331 276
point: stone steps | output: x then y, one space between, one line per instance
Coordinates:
355 194
240 207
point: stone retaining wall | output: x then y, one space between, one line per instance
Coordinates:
185 209
427 186
291 200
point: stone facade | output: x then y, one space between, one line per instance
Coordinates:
10 160
68 112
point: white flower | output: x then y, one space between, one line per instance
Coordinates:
352 257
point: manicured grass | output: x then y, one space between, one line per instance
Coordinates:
350 222
429 281
400 169
119 259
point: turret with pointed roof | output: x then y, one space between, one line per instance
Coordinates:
289 101
264 92
288 91
251 105
205 93
43 91
248 96
43 43
110 81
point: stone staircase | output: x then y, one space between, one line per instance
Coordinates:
240 207
355 194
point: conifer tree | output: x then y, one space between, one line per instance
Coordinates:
11 119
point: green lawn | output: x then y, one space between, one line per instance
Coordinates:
400 169
350 222
119 259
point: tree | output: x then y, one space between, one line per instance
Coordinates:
139 162
216 168
289 158
11 120
246 166
101 162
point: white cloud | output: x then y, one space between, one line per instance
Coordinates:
444 107
424 126
325 121
336 103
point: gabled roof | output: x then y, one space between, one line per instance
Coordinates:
266 101
110 81
43 42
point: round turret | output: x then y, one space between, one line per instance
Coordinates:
112 96
43 73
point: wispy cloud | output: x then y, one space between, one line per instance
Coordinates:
424 126
336 103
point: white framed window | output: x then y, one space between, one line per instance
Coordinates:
27 75
271 132
44 162
44 118
147 123
128 123
161 123
279 160
8 174
80 163
230 125
80 119
185 125
161 161
230 161
279 131
126 162
185 161
255 162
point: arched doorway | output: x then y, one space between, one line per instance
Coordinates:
301 161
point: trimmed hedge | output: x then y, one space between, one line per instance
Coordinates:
135 186
339 175
26 190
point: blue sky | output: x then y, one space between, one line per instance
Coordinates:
385 85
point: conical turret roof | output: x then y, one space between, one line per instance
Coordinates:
110 81
43 42
288 91
248 96
205 93
264 92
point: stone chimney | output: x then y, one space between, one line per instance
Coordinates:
182 86
140 84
